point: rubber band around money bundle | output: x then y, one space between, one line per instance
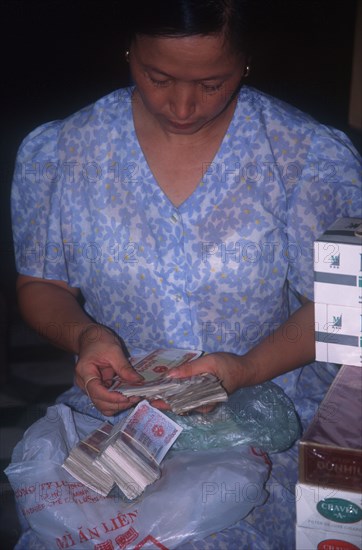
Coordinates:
141 448
125 435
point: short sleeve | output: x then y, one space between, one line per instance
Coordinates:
35 206
329 187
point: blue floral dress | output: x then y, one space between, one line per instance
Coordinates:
218 273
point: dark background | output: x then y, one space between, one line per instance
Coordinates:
58 56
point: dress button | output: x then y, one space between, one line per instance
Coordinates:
178 297
175 218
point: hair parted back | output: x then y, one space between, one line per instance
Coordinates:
171 18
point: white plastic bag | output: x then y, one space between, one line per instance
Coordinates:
199 493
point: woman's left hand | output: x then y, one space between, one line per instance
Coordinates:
290 346
231 369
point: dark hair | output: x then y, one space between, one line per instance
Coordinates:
191 17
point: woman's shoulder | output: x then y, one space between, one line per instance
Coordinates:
111 110
281 120
115 105
275 111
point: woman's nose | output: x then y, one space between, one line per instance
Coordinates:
183 101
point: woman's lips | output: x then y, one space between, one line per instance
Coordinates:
181 126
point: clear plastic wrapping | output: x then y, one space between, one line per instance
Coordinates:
262 416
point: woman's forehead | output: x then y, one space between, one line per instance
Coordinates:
209 51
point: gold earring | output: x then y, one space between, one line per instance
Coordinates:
126 55
247 71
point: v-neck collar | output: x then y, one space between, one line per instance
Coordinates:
154 189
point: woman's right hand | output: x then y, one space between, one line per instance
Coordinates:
47 304
100 358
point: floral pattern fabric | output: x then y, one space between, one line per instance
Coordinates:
218 273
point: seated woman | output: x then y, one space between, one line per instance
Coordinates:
183 211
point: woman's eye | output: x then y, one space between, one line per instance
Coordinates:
210 88
159 83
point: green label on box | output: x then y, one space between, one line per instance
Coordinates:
339 510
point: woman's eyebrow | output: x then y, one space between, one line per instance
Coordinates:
163 73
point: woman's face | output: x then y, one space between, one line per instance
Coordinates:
185 83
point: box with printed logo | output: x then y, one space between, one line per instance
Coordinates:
338 293
338 264
338 334
329 509
319 539
330 451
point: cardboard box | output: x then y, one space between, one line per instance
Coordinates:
318 539
330 451
338 334
338 264
329 509
338 293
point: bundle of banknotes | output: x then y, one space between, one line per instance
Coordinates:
127 454
182 394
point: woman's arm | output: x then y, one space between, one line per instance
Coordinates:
53 310
290 346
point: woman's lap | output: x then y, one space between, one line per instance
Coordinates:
268 527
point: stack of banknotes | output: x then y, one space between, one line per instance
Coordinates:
127 454
182 394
